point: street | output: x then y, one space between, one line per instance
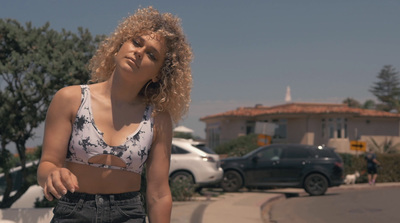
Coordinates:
372 204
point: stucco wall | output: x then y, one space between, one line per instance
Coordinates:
231 129
296 128
373 127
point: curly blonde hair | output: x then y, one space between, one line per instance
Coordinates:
171 93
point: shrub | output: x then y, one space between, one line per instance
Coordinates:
388 172
239 146
182 190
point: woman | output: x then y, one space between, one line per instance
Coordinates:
98 137
372 164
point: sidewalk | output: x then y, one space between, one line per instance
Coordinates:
229 207
239 207
249 207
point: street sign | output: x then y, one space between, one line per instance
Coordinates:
264 140
358 145
265 128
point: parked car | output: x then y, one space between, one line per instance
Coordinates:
314 168
193 161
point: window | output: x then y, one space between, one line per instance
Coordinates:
271 153
213 133
334 128
324 153
250 126
280 131
204 148
295 153
178 150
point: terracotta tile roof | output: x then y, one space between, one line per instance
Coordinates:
301 108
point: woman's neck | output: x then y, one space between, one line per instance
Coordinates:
121 92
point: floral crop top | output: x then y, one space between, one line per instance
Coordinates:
87 140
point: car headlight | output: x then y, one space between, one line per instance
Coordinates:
208 158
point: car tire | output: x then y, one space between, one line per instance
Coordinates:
316 184
232 181
182 176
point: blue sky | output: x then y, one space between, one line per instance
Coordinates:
248 52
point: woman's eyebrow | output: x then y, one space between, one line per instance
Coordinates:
150 46
154 50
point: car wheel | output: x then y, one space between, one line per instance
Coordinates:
232 181
180 177
316 184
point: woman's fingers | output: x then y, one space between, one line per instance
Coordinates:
55 184
75 183
47 194
69 179
59 182
50 190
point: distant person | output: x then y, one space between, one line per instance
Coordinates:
99 137
372 164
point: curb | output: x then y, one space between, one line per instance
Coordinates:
265 207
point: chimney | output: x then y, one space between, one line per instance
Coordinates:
288 97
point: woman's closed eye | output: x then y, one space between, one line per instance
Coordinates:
136 43
151 56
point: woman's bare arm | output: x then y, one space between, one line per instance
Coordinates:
159 199
51 175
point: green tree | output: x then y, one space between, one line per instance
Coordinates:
369 104
352 103
387 89
34 64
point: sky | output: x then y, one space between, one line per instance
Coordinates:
249 52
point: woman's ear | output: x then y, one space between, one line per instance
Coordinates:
155 79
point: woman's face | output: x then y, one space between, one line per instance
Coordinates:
142 57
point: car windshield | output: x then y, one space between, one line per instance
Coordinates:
204 148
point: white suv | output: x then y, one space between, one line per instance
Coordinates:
194 161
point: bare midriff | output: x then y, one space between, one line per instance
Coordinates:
96 180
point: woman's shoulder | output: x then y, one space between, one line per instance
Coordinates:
162 127
69 94
162 120
162 116
66 101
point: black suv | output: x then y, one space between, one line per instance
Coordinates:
314 168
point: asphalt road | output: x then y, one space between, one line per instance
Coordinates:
344 206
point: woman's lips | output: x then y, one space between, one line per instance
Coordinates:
132 60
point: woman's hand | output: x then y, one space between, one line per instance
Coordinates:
58 182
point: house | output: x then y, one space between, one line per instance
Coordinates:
335 125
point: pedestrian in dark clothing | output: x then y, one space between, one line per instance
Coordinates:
372 164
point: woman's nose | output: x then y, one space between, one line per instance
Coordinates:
139 53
